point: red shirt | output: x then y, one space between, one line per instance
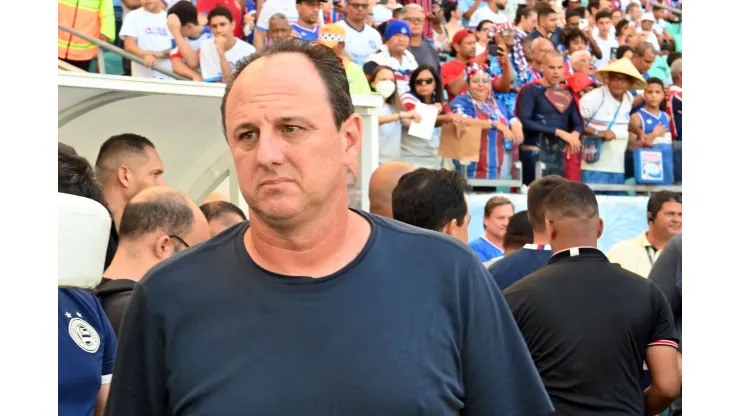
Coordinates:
205 6
451 71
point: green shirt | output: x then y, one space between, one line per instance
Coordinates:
356 77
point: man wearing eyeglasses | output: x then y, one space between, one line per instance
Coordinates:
421 47
362 40
156 224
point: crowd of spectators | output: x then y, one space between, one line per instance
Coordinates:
590 90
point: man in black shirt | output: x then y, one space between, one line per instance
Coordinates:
312 308
156 224
590 324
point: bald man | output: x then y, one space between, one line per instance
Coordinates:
155 224
222 215
382 182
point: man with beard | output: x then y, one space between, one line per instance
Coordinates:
552 124
494 11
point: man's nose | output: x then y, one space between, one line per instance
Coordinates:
270 150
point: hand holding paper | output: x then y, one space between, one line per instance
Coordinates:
425 128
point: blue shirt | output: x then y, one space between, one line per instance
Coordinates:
413 325
539 116
306 34
485 249
87 348
518 264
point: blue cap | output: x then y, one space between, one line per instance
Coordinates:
395 27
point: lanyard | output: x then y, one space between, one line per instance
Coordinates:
650 254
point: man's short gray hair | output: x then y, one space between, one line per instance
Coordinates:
277 17
676 68
412 7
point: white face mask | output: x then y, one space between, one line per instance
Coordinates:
386 88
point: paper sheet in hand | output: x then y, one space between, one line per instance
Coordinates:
425 128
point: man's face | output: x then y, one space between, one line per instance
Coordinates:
146 172
654 95
542 49
466 48
577 44
500 4
616 17
619 83
308 11
529 22
585 64
279 29
669 219
290 157
644 63
647 26
549 23
528 52
152 6
659 14
398 43
635 14
553 70
573 20
498 220
604 24
482 34
190 31
605 5
415 19
357 10
221 26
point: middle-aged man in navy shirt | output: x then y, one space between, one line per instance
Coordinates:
512 268
590 324
551 122
312 308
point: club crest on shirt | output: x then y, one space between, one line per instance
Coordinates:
84 335
373 45
559 98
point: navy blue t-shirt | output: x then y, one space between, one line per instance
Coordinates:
413 325
518 264
87 348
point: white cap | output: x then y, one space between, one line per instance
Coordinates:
647 17
84 229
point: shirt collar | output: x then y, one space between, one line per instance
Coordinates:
537 247
489 242
578 253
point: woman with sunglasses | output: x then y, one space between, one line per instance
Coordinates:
426 88
505 34
391 117
501 131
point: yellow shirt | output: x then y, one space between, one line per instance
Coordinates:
356 77
636 255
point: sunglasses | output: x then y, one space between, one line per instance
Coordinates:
424 81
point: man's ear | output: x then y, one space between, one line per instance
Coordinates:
601 228
124 176
162 247
449 227
351 136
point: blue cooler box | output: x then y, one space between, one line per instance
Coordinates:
654 166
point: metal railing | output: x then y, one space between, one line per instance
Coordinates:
118 51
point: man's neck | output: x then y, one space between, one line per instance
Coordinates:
558 246
543 32
356 25
306 25
126 265
541 238
116 204
656 240
230 42
498 241
652 110
415 40
547 83
678 83
397 55
617 97
201 29
603 36
317 248
492 5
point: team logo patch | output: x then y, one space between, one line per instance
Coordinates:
373 45
84 335
559 98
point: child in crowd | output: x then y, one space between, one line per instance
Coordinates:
649 127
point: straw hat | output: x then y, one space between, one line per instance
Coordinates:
622 66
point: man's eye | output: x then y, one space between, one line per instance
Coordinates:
291 129
248 135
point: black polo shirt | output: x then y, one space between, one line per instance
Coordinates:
588 323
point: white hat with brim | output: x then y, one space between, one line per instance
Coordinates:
622 66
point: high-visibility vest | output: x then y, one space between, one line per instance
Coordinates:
91 17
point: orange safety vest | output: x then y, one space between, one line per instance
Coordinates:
91 17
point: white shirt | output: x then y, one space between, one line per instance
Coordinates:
402 69
210 63
608 50
381 13
598 109
360 45
636 255
389 137
286 7
194 44
485 13
152 34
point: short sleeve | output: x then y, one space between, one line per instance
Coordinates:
589 103
408 101
263 21
463 103
109 346
128 28
210 67
499 375
663 330
449 74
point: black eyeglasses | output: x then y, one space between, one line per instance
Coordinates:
359 6
178 238
424 81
